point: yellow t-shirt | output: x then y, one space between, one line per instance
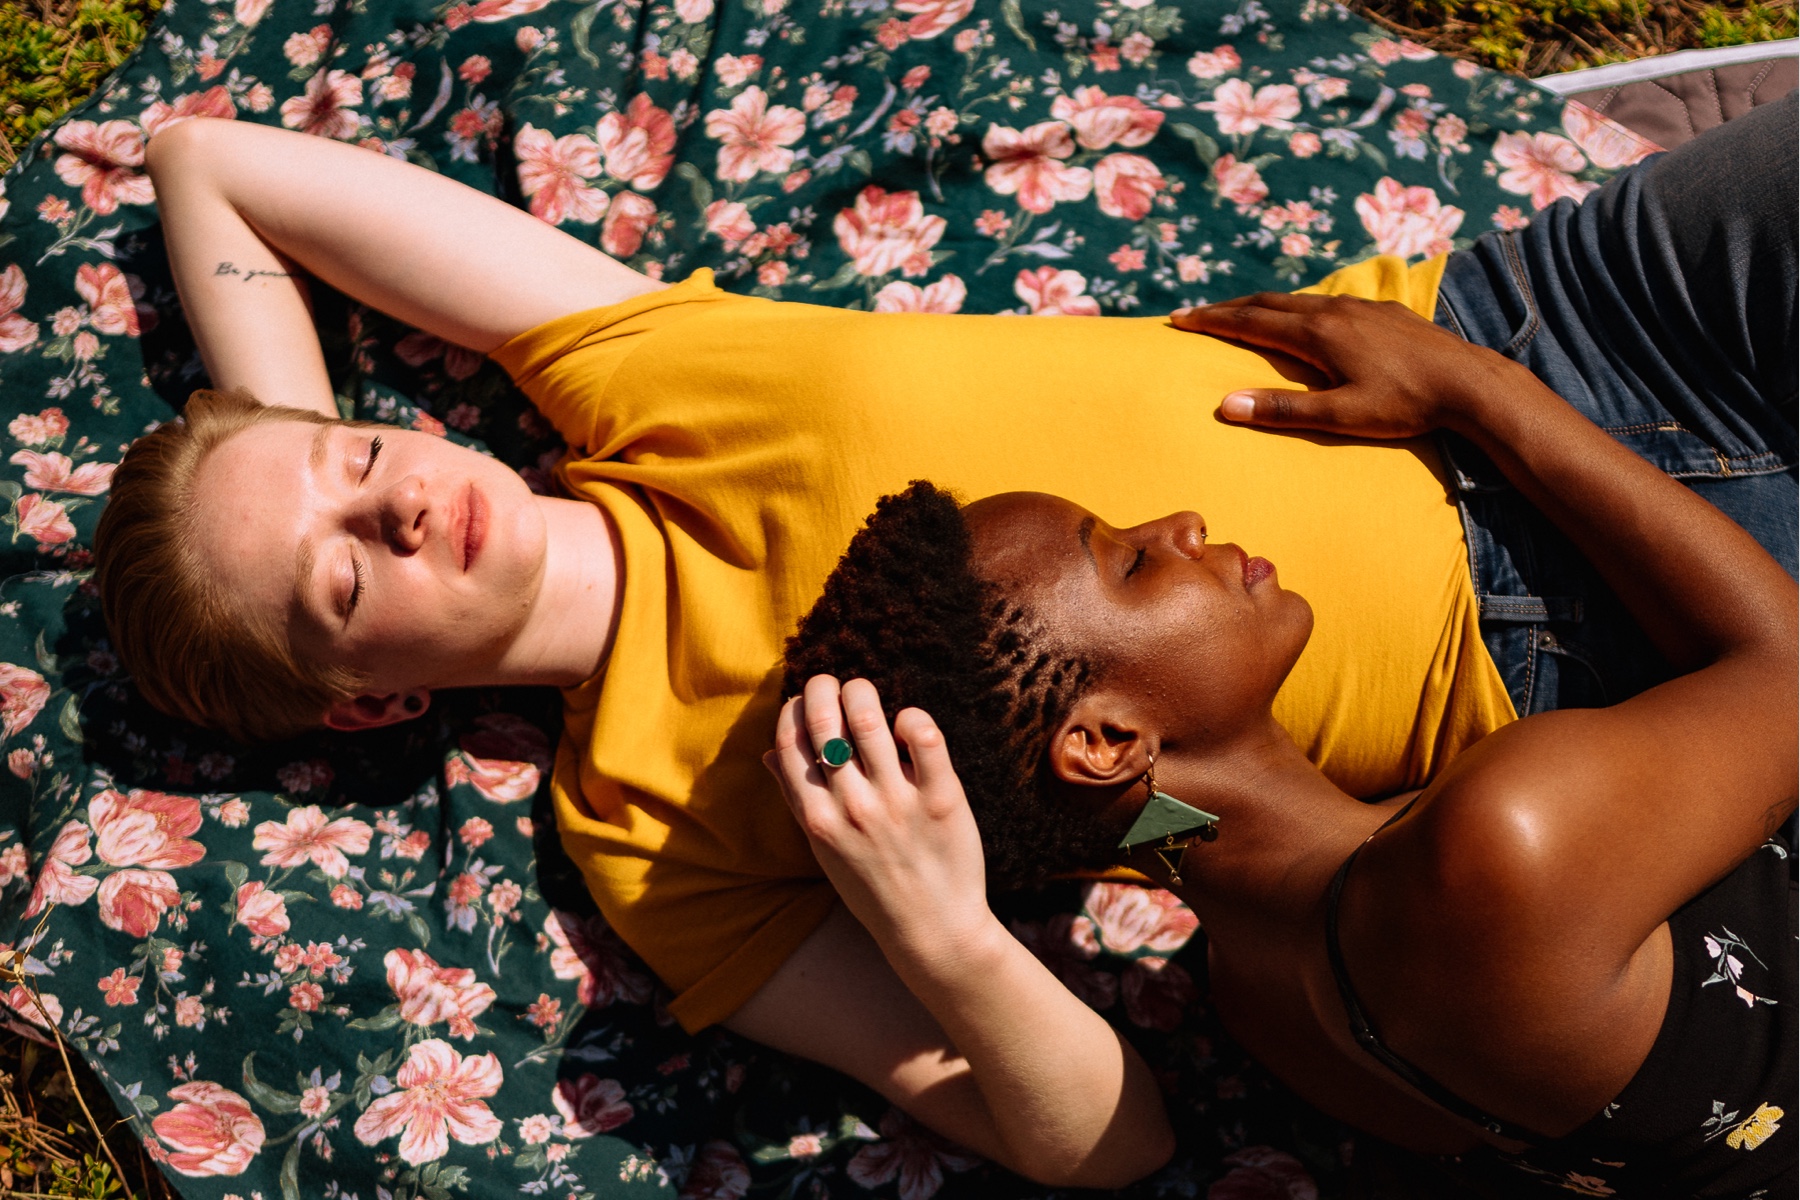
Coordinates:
738 443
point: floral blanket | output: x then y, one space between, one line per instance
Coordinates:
360 967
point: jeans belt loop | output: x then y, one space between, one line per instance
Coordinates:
1529 610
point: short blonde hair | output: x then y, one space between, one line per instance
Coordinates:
191 650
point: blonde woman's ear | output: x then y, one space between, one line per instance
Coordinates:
370 711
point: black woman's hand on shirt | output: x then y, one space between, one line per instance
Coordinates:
1391 373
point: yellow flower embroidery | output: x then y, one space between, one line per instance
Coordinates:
1755 1129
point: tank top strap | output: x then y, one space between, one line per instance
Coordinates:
1364 1032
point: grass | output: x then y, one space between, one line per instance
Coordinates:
53 53
53 1111
1540 37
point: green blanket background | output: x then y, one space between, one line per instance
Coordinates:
360 967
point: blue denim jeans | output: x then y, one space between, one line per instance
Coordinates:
1664 309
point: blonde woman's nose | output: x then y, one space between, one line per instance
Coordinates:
402 514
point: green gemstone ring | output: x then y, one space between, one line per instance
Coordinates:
836 752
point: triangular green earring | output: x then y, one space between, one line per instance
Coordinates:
1168 820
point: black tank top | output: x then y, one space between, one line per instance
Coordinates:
1712 1111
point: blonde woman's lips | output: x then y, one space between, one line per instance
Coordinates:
474 526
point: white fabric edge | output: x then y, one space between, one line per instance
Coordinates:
1663 65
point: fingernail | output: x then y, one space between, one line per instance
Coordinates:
1239 406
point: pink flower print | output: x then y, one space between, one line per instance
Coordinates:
415 350
54 472
15 863
213 102
589 952
1130 918
41 1009
490 12
1050 292
103 161
261 911
1157 993
735 69
1101 120
305 49
1407 221
630 216
429 993
23 694
908 1150
107 290
119 988
932 17
50 425
944 296
731 221
212 1131
306 997
1239 110
1263 1173
474 832
1542 166
551 174
43 520
328 106
1067 946
805 1145
1508 217
692 12
16 333
1606 143
753 136
1126 184
57 882
289 959
249 12
439 1096
1451 132
497 779
888 231
1136 48
1029 164
719 1173
145 829
1210 64
315 1102
638 145
590 1105
134 901
306 836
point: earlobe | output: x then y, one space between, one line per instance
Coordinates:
370 711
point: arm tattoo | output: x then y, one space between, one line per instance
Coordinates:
227 268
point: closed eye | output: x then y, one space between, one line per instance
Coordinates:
356 589
1135 563
374 453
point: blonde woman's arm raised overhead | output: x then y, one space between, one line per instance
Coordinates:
249 211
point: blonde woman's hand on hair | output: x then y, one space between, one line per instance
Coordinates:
896 838
1391 373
